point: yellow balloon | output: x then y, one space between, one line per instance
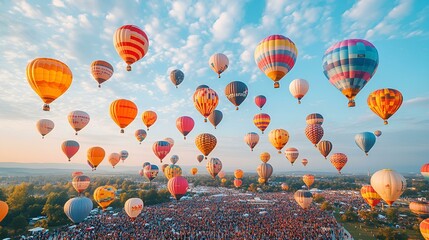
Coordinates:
278 138
105 195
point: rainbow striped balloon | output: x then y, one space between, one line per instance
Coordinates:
276 56
349 65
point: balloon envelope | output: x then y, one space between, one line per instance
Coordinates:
314 118
149 118
70 148
133 207
4 209
205 142
78 120
424 228
178 186
101 71
45 126
123 112
215 117
236 92
291 154
324 147
261 121
338 160
365 141
131 43
78 208
308 179
150 171
298 88
388 184
370 195
219 63
314 133
172 171
278 138
161 149
176 77
205 101
265 157
385 102
140 135
251 139
303 198
95 156
260 101
185 125
105 195
81 183
214 166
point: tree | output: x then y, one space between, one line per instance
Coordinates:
349 216
318 198
326 206
19 223
18 199
54 208
369 217
392 215
388 233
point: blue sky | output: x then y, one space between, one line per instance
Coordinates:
183 35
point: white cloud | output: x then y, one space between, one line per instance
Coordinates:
178 10
417 100
58 3
223 27
83 20
28 10
362 15
401 10
162 83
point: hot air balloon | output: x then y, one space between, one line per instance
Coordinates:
236 92
314 118
172 171
123 112
70 148
95 156
133 207
365 141
303 198
76 174
314 133
4 209
170 141
261 121
176 77
205 101
101 71
185 125
419 208
238 173
161 149
424 228
124 155
349 65
131 43
370 195
278 138
194 171
149 118
291 154
308 179
105 195
150 172
146 164
237 183
338 160
214 165
219 63
90 164
304 162
221 174
49 78
262 180
178 186
275 56
200 158
424 170
45 126
264 170
78 120
260 101
265 157
163 167
223 180
81 183
385 102
205 142
324 147
78 208
388 184
285 187
201 86
174 159
251 139
140 135
298 88
215 118
377 133
114 159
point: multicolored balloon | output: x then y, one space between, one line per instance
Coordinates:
338 160
101 71
185 125
291 154
298 88
275 56
49 78
219 63
114 158
131 43
365 141
215 117
123 112
174 159
172 171
388 184
124 155
170 141
260 101
105 195
424 170
370 195
214 166
81 183
133 207
140 135
150 172
385 102
205 101
349 65
419 208
303 198
278 138
261 121
161 149
236 92
176 77
324 147
251 139
45 126
314 133
70 148
205 142
314 118
264 170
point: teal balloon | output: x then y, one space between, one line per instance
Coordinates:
78 208
365 141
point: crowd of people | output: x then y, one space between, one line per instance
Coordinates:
221 216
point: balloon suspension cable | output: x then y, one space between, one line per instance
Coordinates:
128 68
122 130
351 103
46 107
276 85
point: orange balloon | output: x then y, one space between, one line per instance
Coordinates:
205 142
385 102
370 195
238 173
265 157
205 101
308 179
237 182
131 43
4 209
194 171
95 156
339 160
278 138
49 78
123 112
424 228
149 118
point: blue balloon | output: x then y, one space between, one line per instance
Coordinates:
78 208
365 141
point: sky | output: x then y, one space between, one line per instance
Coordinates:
183 35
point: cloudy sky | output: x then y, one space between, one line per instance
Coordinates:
183 35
